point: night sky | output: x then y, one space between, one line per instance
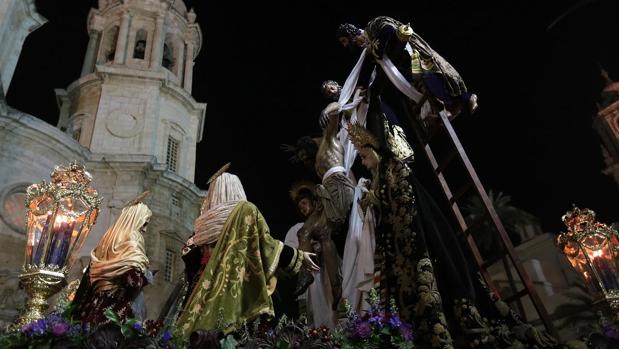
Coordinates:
260 70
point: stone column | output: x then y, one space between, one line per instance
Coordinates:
181 58
3 106
188 81
123 34
158 37
91 52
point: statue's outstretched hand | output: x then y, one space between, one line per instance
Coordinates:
369 199
308 263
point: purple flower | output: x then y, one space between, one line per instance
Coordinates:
35 328
362 330
28 328
406 331
166 336
395 322
75 329
377 321
59 328
612 334
53 318
137 326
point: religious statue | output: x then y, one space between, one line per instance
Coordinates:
392 44
421 265
118 269
327 156
239 277
316 302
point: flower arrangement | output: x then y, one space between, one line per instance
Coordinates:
58 331
52 331
377 328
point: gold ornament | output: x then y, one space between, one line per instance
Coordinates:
138 199
298 186
405 32
361 137
223 169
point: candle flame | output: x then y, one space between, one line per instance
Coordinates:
597 253
63 219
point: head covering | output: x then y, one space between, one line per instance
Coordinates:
348 31
224 193
121 248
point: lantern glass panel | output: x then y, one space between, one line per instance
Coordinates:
600 254
579 262
39 234
80 232
60 240
73 206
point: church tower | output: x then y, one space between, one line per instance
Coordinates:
606 123
130 118
134 93
133 113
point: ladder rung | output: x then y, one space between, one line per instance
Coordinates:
476 223
450 156
517 295
485 264
458 194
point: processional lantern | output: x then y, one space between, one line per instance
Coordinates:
592 249
60 216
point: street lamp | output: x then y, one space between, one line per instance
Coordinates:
592 249
60 215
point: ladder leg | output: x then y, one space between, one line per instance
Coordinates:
537 303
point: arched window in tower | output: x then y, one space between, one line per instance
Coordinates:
140 44
108 45
169 60
172 153
74 127
76 134
170 261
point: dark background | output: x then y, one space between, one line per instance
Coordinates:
260 69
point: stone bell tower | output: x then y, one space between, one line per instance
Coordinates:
606 123
134 93
133 112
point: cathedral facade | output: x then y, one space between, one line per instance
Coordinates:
131 119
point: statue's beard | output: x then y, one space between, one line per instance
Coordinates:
336 96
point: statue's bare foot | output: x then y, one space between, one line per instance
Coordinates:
473 103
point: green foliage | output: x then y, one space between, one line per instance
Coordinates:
486 235
376 329
229 342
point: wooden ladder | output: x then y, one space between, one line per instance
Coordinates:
472 182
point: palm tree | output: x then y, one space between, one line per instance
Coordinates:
579 313
486 236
